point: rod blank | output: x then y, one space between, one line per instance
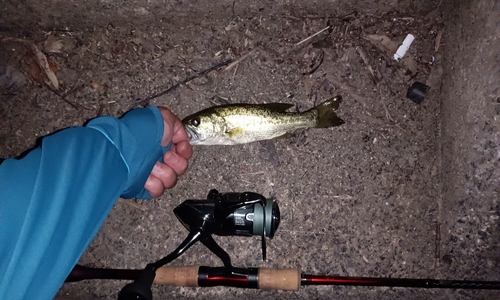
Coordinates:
400 282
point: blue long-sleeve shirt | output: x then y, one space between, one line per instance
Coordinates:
54 200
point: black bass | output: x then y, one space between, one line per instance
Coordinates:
244 123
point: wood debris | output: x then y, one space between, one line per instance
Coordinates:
52 44
312 36
46 67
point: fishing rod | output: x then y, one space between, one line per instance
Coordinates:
266 278
240 214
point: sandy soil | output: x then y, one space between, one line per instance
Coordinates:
390 193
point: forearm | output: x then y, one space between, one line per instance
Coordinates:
54 200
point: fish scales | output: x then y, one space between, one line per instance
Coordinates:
264 121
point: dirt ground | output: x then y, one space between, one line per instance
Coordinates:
400 190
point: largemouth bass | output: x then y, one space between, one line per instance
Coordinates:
244 123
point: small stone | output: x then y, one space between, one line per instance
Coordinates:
447 259
417 92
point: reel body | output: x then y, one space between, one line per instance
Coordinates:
230 214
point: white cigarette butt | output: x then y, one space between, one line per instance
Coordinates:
404 47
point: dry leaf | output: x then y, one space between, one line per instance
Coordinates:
52 44
383 43
411 64
42 61
31 67
45 66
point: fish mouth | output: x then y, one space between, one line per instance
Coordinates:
192 134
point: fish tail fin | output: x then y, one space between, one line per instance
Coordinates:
326 113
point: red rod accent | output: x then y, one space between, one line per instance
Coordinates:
399 282
320 280
219 278
371 281
224 280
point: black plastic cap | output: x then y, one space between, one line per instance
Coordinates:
140 289
417 92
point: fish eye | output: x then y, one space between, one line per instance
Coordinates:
195 121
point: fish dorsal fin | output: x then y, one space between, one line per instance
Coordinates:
279 107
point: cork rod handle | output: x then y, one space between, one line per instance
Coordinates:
178 276
279 279
275 279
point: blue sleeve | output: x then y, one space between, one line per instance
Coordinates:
54 200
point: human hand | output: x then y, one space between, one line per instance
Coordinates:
175 161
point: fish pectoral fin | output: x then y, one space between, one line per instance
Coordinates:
235 131
279 107
285 135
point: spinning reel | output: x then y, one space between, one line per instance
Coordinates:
242 214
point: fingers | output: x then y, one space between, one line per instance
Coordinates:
164 175
176 162
154 186
168 125
180 133
173 128
184 149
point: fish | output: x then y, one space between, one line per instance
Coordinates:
233 124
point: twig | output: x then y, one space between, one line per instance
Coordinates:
202 73
315 63
254 173
317 33
234 73
434 12
387 114
131 203
232 11
64 96
344 197
437 43
74 105
365 59
236 62
345 34
347 89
